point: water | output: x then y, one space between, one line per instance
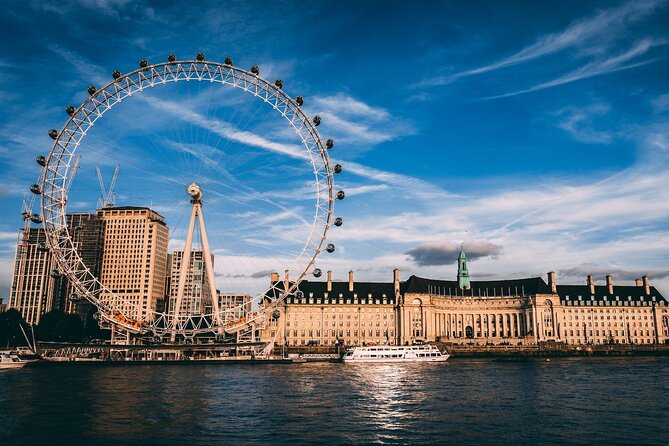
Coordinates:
576 401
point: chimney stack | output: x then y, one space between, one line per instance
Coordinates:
286 281
396 281
609 283
591 284
274 277
646 285
329 281
551 281
638 282
350 281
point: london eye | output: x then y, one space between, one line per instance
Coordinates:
259 170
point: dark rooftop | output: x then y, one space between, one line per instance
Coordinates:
621 293
513 287
361 291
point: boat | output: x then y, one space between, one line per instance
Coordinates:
9 360
392 353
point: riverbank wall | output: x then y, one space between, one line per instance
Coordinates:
542 350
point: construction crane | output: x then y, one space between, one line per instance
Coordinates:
108 197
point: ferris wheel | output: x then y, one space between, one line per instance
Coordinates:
308 234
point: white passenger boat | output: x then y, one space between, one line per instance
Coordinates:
9 360
391 353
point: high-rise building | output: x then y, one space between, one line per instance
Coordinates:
196 294
37 285
87 235
32 286
134 261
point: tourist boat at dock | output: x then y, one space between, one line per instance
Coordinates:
392 353
9 360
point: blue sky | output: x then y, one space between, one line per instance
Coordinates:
536 133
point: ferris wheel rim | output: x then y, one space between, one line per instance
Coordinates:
54 195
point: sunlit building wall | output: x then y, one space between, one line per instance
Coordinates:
134 262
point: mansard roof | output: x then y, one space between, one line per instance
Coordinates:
361 291
621 293
479 288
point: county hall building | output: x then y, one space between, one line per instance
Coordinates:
501 312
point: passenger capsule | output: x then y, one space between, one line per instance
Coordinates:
200 57
340 195
337 168
41 160
55 273
143 63
25 216
330 248
228 61
91 90
42 247
74 297
36 218
317 120
171 57
116 74
278 83
275 314
53 133
96 316
329 143
255 70
317 272
69 110
338 221
300 101
35 189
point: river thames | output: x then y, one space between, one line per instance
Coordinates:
576 401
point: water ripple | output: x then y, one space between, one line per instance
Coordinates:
575 401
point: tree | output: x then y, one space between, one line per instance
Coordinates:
57 326
10 332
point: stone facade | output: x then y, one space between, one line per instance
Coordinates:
504 312
332 313
528 311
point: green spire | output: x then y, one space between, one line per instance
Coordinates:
463 272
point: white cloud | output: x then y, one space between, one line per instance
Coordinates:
352 122
578 122
661 103
596 68
591 35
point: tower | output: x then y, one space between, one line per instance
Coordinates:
134 259
463 272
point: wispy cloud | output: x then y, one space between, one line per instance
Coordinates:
597 30
601 271
578 122
661 103
353 122
596 68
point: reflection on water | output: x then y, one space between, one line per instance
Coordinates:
587 401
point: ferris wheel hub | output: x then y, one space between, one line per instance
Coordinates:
194 191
